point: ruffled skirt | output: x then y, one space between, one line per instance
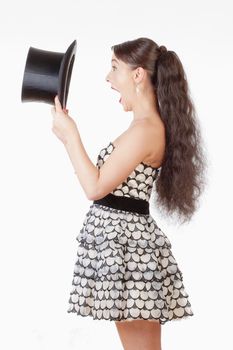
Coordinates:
125 270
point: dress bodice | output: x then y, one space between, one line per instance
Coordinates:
138 184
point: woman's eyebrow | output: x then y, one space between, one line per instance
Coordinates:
114 60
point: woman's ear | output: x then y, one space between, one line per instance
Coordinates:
139 74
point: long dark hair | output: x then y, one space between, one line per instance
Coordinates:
181 178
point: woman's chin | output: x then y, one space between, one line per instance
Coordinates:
121 102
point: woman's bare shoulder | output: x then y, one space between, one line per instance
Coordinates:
154 129
154 142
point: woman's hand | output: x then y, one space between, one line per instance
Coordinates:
64 127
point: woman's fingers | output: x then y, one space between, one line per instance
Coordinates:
58 104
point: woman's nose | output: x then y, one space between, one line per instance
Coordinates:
108 77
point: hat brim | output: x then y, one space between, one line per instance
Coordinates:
65 73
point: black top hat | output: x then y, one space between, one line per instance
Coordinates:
48 74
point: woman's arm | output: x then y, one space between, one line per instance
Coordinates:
85 170
66 130
96 183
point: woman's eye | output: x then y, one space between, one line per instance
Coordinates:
113 66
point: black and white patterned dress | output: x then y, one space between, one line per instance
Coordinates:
125 269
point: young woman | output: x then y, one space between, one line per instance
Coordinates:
125 270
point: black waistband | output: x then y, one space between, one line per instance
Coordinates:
124 203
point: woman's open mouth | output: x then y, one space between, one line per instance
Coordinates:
117 91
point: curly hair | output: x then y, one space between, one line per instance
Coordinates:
181 178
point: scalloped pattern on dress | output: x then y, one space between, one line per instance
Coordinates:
138 184
125 268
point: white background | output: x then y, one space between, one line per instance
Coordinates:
42 202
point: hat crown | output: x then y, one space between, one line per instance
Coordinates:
47 74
